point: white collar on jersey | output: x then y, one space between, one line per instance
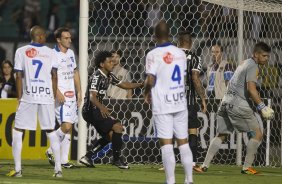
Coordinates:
103 73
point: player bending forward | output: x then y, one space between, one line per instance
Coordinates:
98 115
235 111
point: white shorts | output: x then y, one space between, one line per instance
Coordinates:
171 124
27 112
67 112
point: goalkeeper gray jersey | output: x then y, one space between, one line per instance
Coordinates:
237 93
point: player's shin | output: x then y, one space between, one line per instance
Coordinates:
97 146
65 148
186 160
55 145
168 162
213 149
116 145
252 148
193 143
17 148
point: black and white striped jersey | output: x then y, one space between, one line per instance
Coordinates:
193 64
99 82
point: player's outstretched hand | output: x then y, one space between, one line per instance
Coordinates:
267 113
105 112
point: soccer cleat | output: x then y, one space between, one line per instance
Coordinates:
14 173
86 161
204 168
120 164
198 169
68 165
250 171
58 174
161 168
50 157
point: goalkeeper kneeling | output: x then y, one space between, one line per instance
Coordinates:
235 111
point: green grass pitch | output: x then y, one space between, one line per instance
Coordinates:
37 172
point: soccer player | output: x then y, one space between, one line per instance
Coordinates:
165 89
68 94
36 80
193 84
235 112
97 114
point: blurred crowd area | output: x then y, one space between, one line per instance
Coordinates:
18 16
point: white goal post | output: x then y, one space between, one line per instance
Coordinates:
237 24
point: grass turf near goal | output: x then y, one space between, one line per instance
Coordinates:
40 172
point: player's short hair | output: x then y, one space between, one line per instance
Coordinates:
58 32
118 52
101 57
261 46
185 36
162 30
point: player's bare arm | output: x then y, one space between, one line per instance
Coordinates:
94 100
129 85
266 111
54 81
77 87
19 85
148 84
199 89
60 97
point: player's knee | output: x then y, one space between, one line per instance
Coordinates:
255 135
66 127
117 128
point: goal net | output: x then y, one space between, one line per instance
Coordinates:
127 25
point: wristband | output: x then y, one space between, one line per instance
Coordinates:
260 106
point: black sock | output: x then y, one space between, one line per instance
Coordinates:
98 146
193 143
116 145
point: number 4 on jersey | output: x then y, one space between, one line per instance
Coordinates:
176 75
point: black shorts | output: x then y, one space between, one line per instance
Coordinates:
193 121
94 117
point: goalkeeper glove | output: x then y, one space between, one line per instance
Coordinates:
266 112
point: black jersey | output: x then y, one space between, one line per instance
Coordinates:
99 82
193 64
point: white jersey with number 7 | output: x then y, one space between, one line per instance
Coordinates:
168 64
36 61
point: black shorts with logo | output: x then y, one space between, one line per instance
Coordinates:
193 121
94 117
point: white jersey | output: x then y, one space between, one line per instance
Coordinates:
36 62
67 65
168 64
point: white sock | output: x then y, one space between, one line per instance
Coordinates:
17 149
60 134
213 149
55 145
168 162
187 160
252 148
65 149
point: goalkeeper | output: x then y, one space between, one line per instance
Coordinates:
235 111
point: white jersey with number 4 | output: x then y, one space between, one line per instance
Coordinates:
168 64
36 61
67 65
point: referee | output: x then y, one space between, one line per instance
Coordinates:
193 85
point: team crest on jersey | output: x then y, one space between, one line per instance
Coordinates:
31 52
69 94
168 58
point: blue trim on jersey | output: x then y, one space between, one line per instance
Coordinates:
36 44
228 75
57 48
164 44
61 113
16 70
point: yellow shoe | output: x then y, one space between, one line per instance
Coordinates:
197 169
250 171
14 173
